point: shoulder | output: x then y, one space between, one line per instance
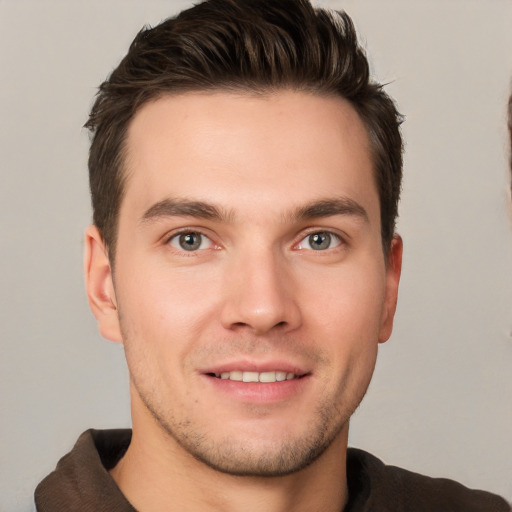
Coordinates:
81 481
384 488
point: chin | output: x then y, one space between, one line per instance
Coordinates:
255 459
266 452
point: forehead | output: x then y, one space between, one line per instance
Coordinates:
244 150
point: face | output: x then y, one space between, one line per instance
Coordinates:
250 287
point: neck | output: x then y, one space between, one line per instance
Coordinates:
157 472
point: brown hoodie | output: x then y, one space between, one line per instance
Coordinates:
81 483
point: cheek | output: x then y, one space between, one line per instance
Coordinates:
346 318
166 310
350 302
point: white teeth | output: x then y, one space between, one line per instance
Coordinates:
267 377
236 376
274 376
250 377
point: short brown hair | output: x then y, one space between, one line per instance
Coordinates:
253 45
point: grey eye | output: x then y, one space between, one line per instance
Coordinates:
320 241
191 241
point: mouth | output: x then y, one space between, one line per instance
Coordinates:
258 383
263 377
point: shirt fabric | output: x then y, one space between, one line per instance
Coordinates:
81 483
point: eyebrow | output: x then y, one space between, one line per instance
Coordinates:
331 207
204 210
185 208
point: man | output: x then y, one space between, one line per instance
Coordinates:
245 175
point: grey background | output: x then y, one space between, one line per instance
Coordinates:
441 399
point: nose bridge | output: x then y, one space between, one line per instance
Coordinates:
260 291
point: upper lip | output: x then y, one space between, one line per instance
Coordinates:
255 366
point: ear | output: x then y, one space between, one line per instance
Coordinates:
100 285
393 271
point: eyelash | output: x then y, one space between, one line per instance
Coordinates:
304 238
333 238
188 231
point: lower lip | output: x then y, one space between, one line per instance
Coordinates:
259 392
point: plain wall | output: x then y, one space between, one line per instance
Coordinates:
441 399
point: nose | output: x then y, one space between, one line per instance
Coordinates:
260 295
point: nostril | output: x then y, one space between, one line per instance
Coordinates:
240 324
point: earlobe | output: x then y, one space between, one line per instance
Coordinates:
100 286
393 271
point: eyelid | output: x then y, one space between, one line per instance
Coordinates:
341 238
168 237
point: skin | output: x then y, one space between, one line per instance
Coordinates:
256 177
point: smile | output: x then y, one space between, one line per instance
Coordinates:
240 376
